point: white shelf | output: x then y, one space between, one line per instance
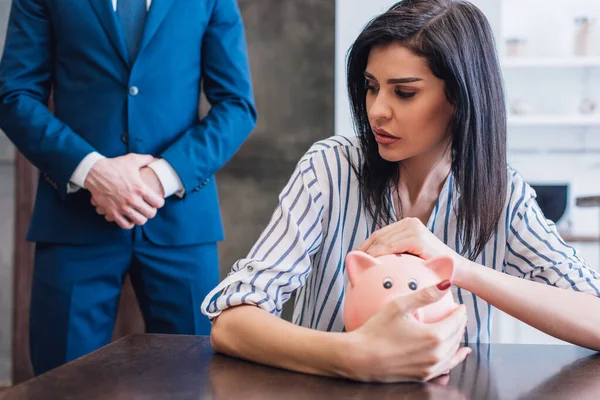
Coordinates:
564 62
560 120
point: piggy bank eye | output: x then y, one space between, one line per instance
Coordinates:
388 283
413 285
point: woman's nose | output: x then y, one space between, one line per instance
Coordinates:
380 108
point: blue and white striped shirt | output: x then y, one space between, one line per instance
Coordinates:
321 217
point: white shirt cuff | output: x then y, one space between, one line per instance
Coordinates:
81 172
168 178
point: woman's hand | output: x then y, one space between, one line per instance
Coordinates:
409 235
393 346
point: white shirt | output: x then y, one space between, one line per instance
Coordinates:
166 174
148 3
320 218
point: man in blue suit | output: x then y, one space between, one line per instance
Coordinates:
126 165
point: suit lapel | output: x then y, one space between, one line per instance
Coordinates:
156 15
106 14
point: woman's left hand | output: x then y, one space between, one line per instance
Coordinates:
408 235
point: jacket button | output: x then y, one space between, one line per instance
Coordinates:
125 138
133 91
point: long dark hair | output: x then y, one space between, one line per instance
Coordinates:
456 40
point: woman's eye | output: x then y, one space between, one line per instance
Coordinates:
405 95
388 283
413 284
369 87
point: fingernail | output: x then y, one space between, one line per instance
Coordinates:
470 351
443 285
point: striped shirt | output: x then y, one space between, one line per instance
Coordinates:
321 218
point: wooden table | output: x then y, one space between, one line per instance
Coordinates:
185 367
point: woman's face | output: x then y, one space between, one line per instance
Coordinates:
406 104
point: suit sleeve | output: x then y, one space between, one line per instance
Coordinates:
25 82
205 148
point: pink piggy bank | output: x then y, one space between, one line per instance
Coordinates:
376 281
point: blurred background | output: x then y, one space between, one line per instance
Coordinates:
550 55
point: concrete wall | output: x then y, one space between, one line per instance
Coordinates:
291 47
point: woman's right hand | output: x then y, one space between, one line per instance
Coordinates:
393 346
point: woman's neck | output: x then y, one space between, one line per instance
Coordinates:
422 179
425 170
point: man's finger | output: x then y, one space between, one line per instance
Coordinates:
123 222
153 198
145 209
134 216
141 160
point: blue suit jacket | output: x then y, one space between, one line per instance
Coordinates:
76 48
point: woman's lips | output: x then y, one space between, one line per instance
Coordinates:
382 137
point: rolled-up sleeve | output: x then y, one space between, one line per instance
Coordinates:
280 261
536 251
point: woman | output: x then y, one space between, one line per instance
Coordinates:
427 175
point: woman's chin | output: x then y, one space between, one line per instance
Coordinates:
391 155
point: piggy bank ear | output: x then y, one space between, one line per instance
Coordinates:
356 263
443 266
